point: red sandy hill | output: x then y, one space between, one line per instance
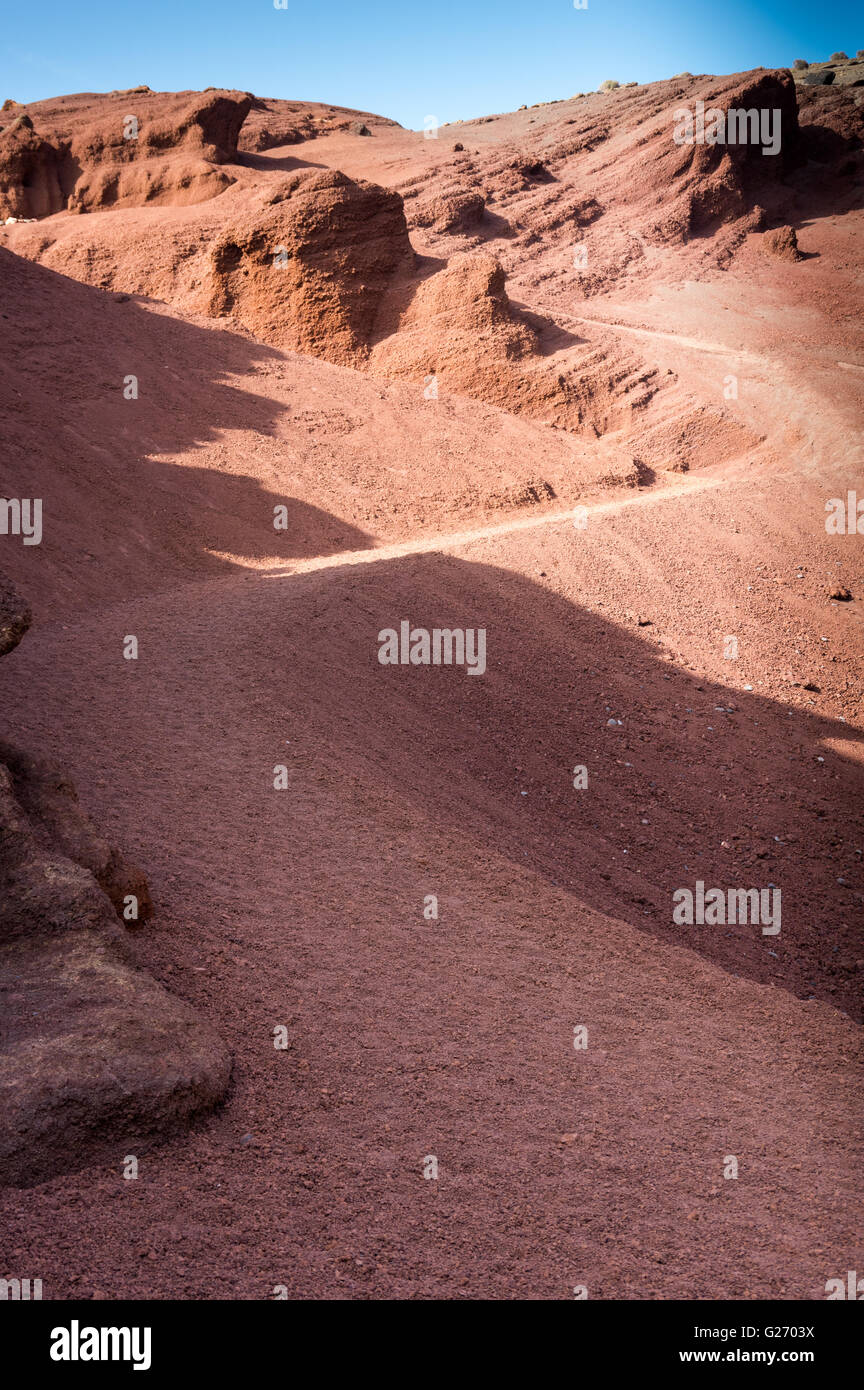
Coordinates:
547 373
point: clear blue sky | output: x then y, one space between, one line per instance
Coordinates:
404 58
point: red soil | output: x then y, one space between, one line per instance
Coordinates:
705 518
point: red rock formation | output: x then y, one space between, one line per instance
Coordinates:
30 172
310 271
127 148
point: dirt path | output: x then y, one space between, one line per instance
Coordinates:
677 339
579 518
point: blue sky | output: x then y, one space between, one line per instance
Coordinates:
402 59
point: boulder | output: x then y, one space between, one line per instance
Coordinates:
49 799
782 242
819 77
15 616
97 1060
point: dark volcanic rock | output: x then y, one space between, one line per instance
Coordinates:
51 804
15 616
96 1058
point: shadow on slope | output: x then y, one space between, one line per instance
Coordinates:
697 782
122 513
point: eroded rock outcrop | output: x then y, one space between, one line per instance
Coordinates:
127 148
30 172
452 211
96 1058
461 329
310 271
718 178
273 122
